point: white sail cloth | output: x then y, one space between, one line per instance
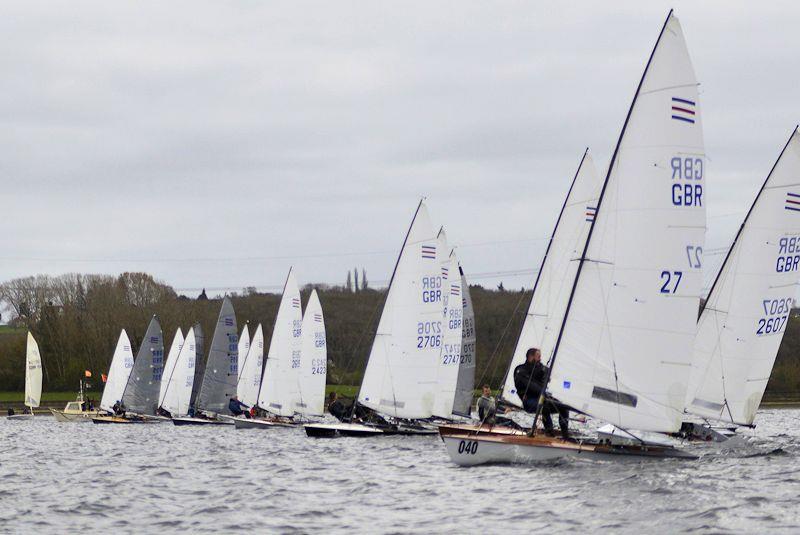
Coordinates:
743 321
33 373
250 368
178 391
400 379
169 365
279 392
625 350
557 272
118 372
452 330
244 347
313 360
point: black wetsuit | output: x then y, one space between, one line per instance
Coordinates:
529 379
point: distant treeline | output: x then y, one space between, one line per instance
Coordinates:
77 318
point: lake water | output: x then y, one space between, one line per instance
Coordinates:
159 478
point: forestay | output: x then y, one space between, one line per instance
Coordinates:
557 272
313 360
625 348
220 377
452 330
400 379
178 392
244 347
169 365
279 388
465 386
745 316
118 373
141 392
251 365
33 373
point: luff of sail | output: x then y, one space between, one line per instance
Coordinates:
465 386
742 324
452 330
250 378
279 392
220 376
400 378
169 365
178 392
557 272
624 350
313 359
118 372
144 383
33 373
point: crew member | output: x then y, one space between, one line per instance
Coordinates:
529 380
237 408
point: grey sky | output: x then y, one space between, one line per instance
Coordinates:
216 143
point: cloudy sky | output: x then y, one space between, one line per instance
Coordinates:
214 144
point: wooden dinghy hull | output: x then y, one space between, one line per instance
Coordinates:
261 423
188 420
467 449
120 420
478 429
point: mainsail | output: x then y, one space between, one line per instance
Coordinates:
465 386
743 321
141 392
199 363
244 347
169 365
623 353
33 373
279 388
178 391
452 331
219 377
313 360
400 379
118 373
251 366
557 272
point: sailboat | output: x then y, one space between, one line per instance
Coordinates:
220 375
139 398
250 369
465 383
400 380
177 393
243 348
169 365
279 391
622 350
33 379
743 320
118 373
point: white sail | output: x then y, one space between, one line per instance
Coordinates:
452 329
279 388
244 347
743 321
625 348
178 392
400 379
118 372
33 374
169 365
557 272
250 378
313 360
465 387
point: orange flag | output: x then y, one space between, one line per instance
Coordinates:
87 373
104 377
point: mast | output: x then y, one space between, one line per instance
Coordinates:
582 258
546 253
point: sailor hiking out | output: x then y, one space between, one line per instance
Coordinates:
529 379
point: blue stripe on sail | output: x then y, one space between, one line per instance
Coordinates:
793 194
792 208
676 99
683 119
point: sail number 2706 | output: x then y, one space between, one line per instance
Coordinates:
429 334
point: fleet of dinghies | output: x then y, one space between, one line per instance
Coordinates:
614 312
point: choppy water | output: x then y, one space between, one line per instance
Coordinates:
159 478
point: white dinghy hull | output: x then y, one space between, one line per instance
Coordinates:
472 450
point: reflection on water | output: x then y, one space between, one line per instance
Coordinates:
71 477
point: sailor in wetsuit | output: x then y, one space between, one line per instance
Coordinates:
238 408
529 380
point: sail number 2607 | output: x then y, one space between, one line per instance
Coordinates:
777 313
